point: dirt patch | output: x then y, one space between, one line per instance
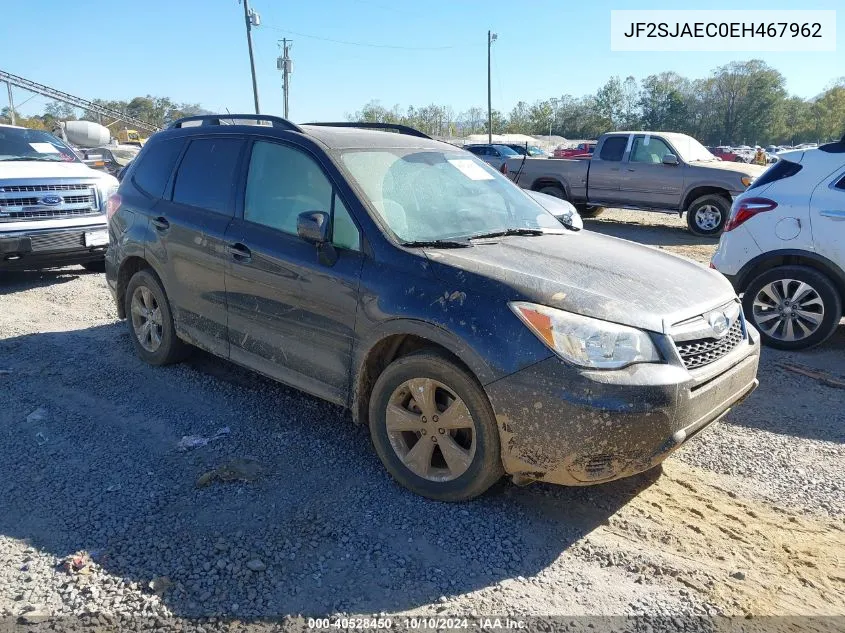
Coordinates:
747 557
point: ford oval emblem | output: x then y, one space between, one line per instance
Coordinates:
51 200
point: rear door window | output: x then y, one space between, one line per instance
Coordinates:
207 174
613 148
155 166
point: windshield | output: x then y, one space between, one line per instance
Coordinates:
24 144
505 150
691 150
535 151
428 196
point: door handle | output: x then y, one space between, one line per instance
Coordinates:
160 223
631 169
239 252
833 214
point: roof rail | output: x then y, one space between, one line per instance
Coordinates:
229 119
369 125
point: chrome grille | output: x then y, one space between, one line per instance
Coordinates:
57 241
77 199
704 351
26 188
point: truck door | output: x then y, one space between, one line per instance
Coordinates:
647 181
604 179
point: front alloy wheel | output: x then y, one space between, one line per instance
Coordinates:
433 427
430 429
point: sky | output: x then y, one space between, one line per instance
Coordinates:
397 52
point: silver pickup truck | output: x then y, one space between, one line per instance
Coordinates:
52 205
659 171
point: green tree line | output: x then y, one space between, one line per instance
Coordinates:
739 103
157 111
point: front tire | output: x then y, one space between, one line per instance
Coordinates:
707 215
433 428
150 321
793 307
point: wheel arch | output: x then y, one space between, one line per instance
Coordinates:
128 268
791 257
399 338
549 181
704 190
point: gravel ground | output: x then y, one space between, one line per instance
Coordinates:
745 520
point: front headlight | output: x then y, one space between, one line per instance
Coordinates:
747 180
587 342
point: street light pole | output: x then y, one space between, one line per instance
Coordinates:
491 37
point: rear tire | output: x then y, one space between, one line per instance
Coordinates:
150 321
552 190
770 302
707 215
587 211
400 420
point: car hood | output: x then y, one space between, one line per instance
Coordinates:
592 275
40 169
747 169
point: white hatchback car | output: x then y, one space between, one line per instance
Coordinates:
783 247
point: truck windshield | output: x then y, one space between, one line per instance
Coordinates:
691 150
22 144
429 196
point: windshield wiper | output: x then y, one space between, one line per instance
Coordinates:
28 158
437 244
505 232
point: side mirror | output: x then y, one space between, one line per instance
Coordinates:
670 159
313 227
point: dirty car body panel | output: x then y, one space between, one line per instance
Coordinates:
313 317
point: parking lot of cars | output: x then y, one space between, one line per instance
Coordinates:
152 479
746 520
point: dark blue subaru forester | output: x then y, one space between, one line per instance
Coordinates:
407 280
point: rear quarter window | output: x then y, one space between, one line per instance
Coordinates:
207 176
778 171
155 165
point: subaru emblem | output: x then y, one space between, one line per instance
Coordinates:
719 323
50 201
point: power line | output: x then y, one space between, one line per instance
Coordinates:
363 44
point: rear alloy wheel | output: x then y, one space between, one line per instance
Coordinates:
589 211
151 321
707 215
433 428
793 307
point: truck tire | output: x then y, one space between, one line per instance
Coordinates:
98 266
552 190
443 456
707 215
793 307
589 211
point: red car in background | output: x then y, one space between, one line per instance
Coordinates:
726 153
582 150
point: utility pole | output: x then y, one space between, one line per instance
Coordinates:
491 37
11 104
251 19
553 101
285 64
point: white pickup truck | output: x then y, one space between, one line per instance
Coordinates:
52 205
